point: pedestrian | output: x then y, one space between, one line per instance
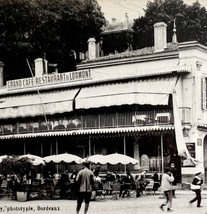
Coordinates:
85 181
175 175
196 187
166 186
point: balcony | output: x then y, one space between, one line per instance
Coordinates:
95 121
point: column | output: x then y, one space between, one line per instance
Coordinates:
136 153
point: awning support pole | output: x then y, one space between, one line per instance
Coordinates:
124 152
162 156
56 152
89 146
24 148
56 146
50 148
41 149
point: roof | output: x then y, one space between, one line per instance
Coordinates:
134 53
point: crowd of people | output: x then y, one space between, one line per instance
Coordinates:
167 186
82 184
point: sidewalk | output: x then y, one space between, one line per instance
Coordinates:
189 192
148 204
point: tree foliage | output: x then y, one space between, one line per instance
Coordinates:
12 165
191 22
55 28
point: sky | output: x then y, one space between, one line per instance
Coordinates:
134 8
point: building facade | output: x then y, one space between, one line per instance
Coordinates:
123 103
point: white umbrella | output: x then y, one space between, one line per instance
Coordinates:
96 159
3 157
35 160
117 158
66 158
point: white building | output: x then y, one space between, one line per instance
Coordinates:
126 103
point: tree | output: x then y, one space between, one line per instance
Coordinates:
55 28
12 165
191 22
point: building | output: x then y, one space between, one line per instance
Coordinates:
128 103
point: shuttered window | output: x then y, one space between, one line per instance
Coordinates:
204 93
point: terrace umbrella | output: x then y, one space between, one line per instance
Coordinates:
65 158
3 157
35 160
117 158
97 159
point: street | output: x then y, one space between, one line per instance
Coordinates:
144 205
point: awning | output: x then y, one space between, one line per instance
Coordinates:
129 130
180 141
151 91
37 104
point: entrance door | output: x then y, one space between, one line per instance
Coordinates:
205 157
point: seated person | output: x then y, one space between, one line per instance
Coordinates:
98 187
141 183
156 185
126 183
73 184
64 185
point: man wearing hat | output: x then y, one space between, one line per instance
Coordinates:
166 186
196 187
85 180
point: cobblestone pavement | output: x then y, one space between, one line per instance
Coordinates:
148 204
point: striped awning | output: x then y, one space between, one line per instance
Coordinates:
37 104
92 131
152 91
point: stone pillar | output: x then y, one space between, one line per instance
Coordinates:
160 36
1 74
91 48
136 153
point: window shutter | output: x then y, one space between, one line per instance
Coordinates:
203 93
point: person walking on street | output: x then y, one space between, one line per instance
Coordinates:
196 187
166 186
85 181
175 175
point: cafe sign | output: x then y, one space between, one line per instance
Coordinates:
48 79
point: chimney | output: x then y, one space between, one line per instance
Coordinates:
41 67
91 48
126 21
160 36
1 74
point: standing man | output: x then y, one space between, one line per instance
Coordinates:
166 186
85 181
175 175
196 187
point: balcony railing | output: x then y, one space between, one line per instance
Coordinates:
96 121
